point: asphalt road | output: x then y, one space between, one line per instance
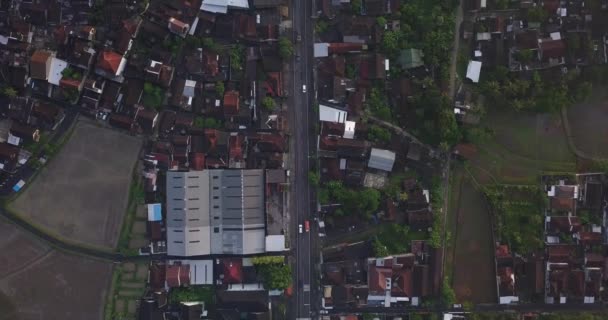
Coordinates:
301 112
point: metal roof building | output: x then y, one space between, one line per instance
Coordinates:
381 159
215 212
188 213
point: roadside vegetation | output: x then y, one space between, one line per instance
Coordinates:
275 272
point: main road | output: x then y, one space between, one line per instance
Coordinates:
303 148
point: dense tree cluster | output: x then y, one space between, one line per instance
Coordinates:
362 203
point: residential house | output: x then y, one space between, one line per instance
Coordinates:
159 73
40 64
563 197
111 65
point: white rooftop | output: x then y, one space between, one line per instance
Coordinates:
57 66
474 70
349 129
330 114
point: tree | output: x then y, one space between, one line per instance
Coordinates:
236 57
525 56
267 260
9 92
313 178
379 134
286 49
502 4
390 42
356 6
447 293
212 123
219 88
381 21
268 103
199 122
321 26
275 276
537 14
380 249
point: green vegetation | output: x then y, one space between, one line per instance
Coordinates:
275 275
505 90
356 6
314 178
136 197
378 105
174 45
212 123
447 293
70 73
237 54
378 134
537 14
429 25
395 239
518 216
286 49
363 202
321 26
192 294
381 21
267 260
433 110
268 103
219 88
70 94
153 96
9 92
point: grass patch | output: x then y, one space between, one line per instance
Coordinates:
518 216
136 197
191 294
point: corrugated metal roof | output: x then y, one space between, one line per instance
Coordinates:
381 159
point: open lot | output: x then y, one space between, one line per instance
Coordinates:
523 146
39 283
473 248
82 194
588 124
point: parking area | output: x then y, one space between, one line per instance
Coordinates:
39 283
91 175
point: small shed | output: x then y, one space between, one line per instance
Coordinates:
155 212
474 70
381 159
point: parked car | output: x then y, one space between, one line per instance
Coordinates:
300 228
307 225
303 88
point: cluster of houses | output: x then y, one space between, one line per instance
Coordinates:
573 267
352 278
535 35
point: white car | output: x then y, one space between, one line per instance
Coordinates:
300 228
303 88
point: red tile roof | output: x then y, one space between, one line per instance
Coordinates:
197 161
231 103
233 271
553 48
177 275
235 146
109 61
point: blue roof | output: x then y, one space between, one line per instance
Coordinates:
155 212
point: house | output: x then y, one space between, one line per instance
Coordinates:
40 64
203 62
222 6
24 132
389 280
159 73
177 275
183 93
231 104
552 51
110 64
178 27
8 157
212 227
563 197
47 116
147 119
410 58
381 159
122 121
